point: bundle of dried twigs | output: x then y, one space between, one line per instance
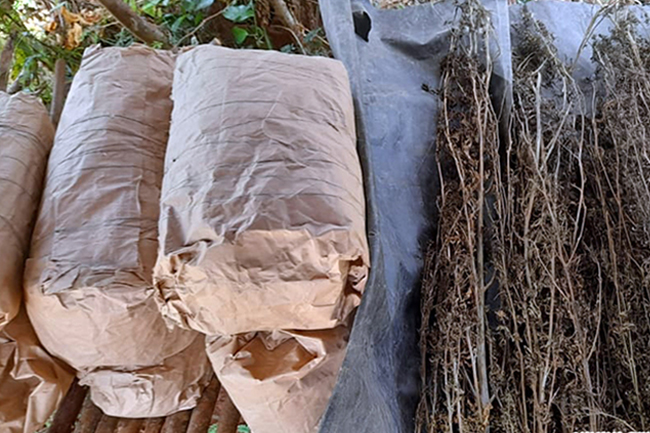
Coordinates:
546 338
619 174
454 337
555 222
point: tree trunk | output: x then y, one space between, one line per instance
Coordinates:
6 60
58 91
141 28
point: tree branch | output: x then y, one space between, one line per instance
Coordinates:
140 27
58 91
285 15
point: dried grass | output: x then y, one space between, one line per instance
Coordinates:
456 395
619 165
547 335
556 224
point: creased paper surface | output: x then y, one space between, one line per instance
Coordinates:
280 381
262 220
32 383
89 289
26 135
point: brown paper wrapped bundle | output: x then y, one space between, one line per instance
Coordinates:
26 135
32 383
262 221
128 394
280 381
89 290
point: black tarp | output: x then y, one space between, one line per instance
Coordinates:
393 57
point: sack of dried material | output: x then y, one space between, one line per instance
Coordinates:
88 280
26 135
134 394
32 383
262 220
280 381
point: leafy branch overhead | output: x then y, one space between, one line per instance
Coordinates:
34 34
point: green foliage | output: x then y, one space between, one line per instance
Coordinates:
240 35
239 13
177 17
34 54
41 35
247 34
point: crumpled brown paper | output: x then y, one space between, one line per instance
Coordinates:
153 391
262 221
88 281
32 383
26 135
280 381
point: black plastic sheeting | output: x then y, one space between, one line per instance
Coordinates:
393 59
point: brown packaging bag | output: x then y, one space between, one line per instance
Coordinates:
262 220
280 381
26 135
32 383
88 280
134 394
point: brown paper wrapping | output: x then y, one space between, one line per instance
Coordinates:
32 383
26 135
262 221
280 381
88 281
153 391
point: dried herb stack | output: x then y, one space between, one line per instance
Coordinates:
454 342
544 366
536 297
619 222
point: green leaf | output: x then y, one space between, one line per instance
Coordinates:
177 24
202 4
239 34
150 9
243 429
312 34
213 428
239 13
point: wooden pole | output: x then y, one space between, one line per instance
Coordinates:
58 91
67 413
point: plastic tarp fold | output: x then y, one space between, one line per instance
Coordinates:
393 60
262 221
32 383
88 280
26 135
281 381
